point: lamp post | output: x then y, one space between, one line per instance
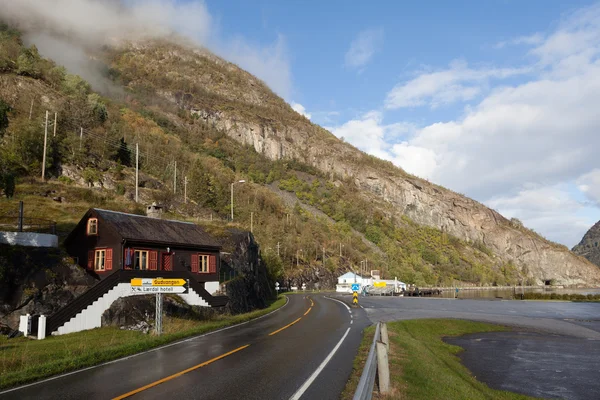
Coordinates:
233 183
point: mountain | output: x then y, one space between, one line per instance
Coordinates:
589 245
317 204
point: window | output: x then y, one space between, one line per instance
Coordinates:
100 260
140 259
92 226
203 263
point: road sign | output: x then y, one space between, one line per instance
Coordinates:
355 287
355 298
160 285
158 282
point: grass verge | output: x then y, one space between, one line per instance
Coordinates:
423 366
24 360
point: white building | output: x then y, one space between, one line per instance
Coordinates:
345 282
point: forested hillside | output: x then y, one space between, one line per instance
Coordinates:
183 108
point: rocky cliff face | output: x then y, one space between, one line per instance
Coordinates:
398 194
589 247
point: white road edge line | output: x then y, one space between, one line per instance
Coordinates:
339 301
315 374
287 300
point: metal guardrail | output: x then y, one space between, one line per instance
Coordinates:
364 390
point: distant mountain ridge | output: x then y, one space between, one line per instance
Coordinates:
589 247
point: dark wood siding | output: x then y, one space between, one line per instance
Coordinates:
80 244
181 257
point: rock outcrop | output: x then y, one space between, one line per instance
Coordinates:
589 247
251 287
397 194
37 281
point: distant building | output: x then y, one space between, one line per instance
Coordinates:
345 282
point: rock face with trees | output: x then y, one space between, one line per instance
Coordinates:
317 206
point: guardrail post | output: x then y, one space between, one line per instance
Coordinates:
384 336
383 368
20 216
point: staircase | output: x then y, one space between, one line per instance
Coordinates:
85 312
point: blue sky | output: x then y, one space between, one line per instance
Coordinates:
493 99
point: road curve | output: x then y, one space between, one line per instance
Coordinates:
287 354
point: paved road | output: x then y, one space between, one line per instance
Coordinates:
276 364
556 356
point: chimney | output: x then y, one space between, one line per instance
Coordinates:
154 211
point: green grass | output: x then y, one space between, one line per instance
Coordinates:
422 366
24 360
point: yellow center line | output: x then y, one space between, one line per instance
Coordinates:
168 378
285 327
307 311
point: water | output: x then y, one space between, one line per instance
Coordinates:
507 293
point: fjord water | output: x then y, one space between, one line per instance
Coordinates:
507 293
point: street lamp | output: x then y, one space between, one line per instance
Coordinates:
233 183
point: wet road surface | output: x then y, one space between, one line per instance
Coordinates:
256 360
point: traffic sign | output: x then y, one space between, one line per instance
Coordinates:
355 298
158 282
159 285
159 289
355 287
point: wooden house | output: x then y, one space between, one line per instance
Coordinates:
105 241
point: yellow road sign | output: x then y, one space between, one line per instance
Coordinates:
355 300
158 282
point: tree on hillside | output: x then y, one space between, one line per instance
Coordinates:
29 62
4 110
123 154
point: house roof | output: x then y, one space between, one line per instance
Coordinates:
145 229
349 275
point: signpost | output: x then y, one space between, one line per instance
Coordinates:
355 289
159 286
277 287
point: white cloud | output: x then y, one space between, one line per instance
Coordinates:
529 40
299 108
550 210
458 83
364 47
589 184
371 135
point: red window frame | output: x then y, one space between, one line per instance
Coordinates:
108 259
211 263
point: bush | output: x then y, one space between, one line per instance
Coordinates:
65 179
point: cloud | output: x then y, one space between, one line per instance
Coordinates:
371 135
589 184
529 40
457 83
364 47
550 210
299 108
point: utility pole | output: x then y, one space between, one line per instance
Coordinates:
45 143
341 245
81 138
277 249
323 255
251 222
31 110
55 115
185 189
137 170
175 179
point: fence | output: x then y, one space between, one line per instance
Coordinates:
376 364
16 224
